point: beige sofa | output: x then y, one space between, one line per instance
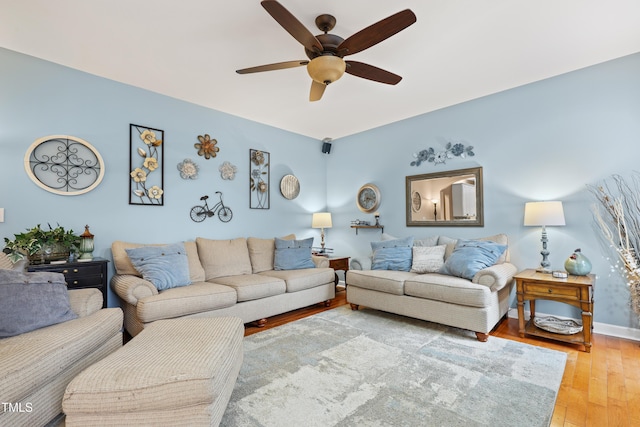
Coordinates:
229 278
35 367
477 304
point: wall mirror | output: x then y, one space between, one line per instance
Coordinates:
445 199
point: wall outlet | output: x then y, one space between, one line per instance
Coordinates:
1 214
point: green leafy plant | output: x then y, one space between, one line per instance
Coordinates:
36 238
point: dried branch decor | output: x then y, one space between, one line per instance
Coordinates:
618 218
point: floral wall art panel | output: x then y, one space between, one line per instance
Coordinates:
259 179
146 183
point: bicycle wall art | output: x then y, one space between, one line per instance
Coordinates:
201 212
146 166
259 179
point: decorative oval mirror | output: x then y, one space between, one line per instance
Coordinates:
289 187
64 165
451 198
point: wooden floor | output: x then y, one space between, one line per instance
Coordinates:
601 388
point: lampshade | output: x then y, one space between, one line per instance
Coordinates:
321 220
326 69
543 214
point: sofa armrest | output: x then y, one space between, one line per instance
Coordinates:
320 261
85 301
497 276
360 264
132 288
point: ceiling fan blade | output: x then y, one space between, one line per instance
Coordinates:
377 32
317 89
272 67
366 71
292 25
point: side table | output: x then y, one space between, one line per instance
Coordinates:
574 290
89 274
339 263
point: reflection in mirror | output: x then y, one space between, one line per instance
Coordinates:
451 198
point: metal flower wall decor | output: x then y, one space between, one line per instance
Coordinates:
146 166
259 179
207 146
450 151
188 169
227 170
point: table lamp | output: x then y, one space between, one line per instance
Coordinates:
321 220
543 214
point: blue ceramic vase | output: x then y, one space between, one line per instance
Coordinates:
577 264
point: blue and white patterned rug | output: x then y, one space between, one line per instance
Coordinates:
369 368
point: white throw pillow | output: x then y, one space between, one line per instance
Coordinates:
427 259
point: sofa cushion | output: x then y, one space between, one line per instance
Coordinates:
299 280
388 281
253 286
427 259
123 264
221 258
30 301
293 254
164 266
195 298
262 252
32 360
450 289
392 254
471 256
426 241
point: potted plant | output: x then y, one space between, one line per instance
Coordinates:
41 246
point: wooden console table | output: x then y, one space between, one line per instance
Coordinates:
574 290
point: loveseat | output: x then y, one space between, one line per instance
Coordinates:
250 278
37 362
456 282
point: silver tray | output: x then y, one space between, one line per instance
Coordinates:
557 326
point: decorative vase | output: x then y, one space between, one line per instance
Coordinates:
577 264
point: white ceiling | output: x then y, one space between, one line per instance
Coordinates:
189 49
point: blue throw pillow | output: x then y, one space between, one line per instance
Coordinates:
30 301
293 254
470 256
165 266
392 254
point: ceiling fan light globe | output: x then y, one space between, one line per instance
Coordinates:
326 69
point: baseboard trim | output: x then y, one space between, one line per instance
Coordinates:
598 328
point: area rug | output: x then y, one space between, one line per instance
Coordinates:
370 368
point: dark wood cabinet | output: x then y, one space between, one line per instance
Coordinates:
89 274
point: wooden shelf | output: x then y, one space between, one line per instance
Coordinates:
381 227
532 329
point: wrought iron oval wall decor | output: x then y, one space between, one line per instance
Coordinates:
64 165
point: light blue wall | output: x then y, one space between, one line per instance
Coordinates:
543 141
39 98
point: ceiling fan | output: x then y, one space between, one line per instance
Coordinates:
325 51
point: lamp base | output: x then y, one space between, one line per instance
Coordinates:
545 270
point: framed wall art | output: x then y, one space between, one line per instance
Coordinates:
146 160
259 193
64 165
